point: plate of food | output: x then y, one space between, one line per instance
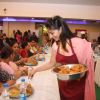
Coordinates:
24 72
70 71
14 91
31 63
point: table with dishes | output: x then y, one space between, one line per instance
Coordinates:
45 85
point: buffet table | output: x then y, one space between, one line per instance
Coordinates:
44 83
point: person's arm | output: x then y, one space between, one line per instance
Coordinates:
48 65
22 60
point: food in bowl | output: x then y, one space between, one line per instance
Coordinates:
65 69
70 71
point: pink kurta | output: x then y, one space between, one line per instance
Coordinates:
7 67
84 52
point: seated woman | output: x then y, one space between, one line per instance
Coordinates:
34 46
5 77
16 56
33 49
7 65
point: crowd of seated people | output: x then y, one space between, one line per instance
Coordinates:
14 51
19 49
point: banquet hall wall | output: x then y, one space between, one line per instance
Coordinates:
47 10
93 30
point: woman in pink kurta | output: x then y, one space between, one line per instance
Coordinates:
68 49
7 65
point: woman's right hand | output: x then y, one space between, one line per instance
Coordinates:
31 73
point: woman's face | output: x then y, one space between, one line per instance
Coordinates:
55 34
15 47
33 43
27 47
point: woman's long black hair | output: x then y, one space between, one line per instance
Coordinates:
58 22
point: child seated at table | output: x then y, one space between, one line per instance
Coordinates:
25 50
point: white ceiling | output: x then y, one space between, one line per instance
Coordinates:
80 2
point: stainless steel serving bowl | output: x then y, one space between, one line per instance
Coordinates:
69 76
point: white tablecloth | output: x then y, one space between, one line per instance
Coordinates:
45 84
97 72
97 69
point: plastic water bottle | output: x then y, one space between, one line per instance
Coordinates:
5 93
23 90
43 55
45 49
29 71
37 57
46 46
